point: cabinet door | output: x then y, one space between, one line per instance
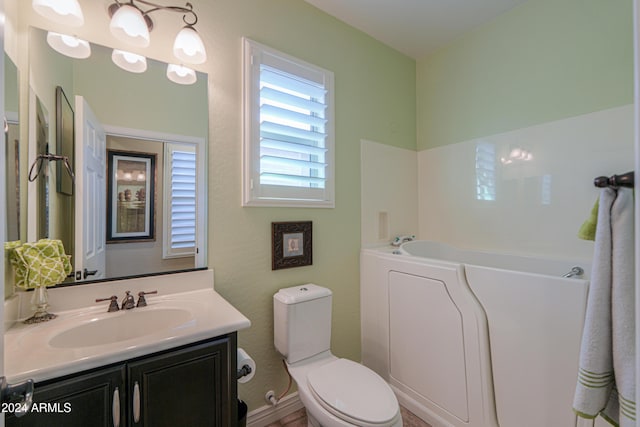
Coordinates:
82 401
186 387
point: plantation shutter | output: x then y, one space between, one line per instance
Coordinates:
290 131
181 203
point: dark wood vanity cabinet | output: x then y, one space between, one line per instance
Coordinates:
80 400
193 385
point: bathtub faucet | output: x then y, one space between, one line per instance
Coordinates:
401 239
575 271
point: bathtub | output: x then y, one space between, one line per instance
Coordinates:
473 339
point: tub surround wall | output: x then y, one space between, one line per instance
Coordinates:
539 204
389 186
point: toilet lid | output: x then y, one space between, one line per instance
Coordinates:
352 391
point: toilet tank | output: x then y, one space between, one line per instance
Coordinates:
302 321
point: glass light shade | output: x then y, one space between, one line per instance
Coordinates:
128 61
66 12
69 45
188 46
181 74
128 25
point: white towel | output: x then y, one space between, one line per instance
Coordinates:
606 377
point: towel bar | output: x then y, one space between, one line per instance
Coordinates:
624 180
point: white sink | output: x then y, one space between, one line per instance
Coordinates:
121 326
85 336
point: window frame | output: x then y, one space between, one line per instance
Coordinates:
254 193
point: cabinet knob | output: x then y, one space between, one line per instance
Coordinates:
13 391
115 408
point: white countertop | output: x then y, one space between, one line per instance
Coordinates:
29 354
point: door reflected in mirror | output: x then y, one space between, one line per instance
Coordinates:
140 113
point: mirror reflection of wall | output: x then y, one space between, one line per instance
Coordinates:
134 109
123 259
42 172
12 139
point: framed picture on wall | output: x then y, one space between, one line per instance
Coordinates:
131 196
291 244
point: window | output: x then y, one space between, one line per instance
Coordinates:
181 195
288 130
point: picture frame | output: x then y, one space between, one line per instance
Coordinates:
65 142
291 244
131 196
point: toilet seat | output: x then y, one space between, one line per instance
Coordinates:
353 393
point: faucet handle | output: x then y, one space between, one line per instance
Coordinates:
142 302
113 305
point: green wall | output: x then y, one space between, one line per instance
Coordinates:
542 61
375 100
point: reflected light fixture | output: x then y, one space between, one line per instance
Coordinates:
66 12
181 74
70 46
128 61
132 24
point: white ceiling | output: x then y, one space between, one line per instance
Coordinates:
415 27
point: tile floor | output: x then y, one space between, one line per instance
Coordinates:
299 419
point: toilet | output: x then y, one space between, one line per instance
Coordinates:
335 392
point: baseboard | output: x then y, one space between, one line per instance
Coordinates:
268 414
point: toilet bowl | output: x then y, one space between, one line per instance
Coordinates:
335 392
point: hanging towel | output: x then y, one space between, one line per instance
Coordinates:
588 228
606 376
43 263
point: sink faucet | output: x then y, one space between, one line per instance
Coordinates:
401 239
128 302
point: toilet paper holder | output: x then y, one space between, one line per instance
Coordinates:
245 367
244 371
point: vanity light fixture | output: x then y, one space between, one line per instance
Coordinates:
181 74
70 46
128 61
132 24
66 12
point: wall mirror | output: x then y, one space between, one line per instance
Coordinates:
141 113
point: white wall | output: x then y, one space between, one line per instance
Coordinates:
389 192
539 204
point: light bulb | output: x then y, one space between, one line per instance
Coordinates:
66 12
128 61
69 45
181 74
128 25
188 46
